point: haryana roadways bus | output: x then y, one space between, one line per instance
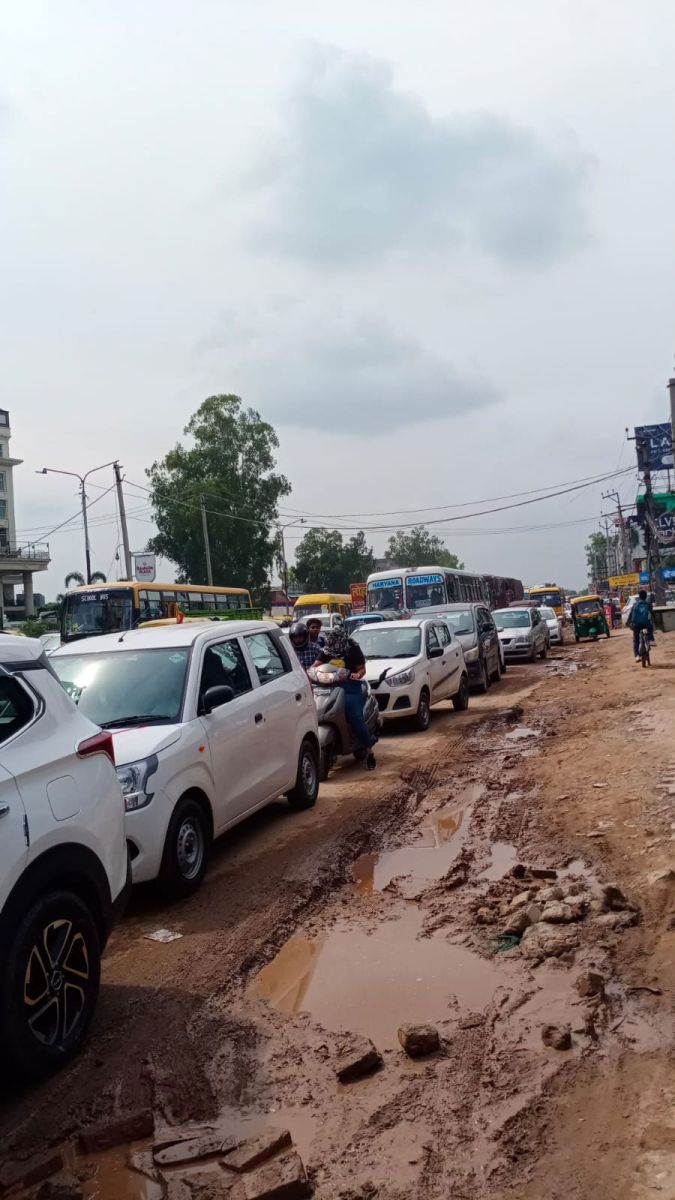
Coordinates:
550 596
108 607
417 588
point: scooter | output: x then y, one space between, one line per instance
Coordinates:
336 737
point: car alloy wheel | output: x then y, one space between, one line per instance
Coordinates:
55 982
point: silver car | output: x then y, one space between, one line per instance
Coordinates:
553 624
522 632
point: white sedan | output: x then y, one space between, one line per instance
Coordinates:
210 722
552 621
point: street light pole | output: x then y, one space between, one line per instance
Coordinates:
82 479
284 564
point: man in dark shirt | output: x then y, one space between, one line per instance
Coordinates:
342 651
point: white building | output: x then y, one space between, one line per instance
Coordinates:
18 562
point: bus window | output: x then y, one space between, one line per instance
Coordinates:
425 591
209 600
150 604
222 602
195 601
451 587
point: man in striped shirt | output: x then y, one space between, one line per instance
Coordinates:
306 640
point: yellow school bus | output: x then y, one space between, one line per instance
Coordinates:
322 602
550 596
98 608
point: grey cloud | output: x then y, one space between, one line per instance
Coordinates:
358 376
361 169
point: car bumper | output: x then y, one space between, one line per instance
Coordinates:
396 702
145 831
512 651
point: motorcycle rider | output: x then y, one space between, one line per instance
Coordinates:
341 651
306 647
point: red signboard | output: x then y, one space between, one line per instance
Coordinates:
358 593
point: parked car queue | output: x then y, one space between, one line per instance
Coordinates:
125 755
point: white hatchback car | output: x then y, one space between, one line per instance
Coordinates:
210 721
413 664
552 621
63 862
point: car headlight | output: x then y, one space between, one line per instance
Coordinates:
401 679
522 641
471 655
134 779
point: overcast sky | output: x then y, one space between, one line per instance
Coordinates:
431 242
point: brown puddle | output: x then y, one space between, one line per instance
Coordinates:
430 858
111 1178
371 983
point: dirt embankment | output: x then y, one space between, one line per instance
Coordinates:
416 896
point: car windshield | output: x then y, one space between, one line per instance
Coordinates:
122 686
586 607
461 621
548 614
403 642
511 618
385 593
97 611
553 599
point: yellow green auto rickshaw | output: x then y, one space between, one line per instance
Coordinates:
589 618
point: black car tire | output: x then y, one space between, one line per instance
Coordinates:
460 702
422 718
304 794
497 673
186 850
53 956
544 651
533 655
326 759
483 684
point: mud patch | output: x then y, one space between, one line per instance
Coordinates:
503 856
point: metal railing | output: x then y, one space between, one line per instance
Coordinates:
29 552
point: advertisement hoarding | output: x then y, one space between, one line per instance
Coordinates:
655 446
145 567
358 594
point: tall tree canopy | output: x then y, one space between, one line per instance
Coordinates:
324 562
596 556
417 547
231 465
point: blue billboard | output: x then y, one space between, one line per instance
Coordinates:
655 446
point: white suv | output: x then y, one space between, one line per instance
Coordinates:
413 664
210 720
63 862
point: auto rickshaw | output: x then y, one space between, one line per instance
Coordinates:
588 616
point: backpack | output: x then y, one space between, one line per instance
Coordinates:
641 614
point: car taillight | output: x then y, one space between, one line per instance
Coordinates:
100 743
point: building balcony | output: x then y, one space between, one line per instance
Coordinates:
32 556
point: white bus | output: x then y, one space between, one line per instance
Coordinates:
415 588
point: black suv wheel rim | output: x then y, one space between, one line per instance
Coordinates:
56 982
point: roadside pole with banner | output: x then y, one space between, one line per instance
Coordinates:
145 567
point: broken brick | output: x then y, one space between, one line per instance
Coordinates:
257 1149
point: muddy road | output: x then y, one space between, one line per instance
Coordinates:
463 885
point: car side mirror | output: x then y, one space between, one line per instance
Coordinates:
214 697
435 652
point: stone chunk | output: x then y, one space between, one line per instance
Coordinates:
283 1179
193 1148
614 900
418 1040
518 902
129 1128
547 941
30 1170
201 1185
543 873
549 894
590 983
557 913
616 920
256 1149
63 1186
516 924
533 913
360 1058
558 1037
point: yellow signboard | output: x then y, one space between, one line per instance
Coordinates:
617 581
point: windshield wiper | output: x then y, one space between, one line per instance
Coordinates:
135 718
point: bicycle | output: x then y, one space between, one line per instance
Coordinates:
644 647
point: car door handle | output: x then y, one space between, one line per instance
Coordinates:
4 809
298 696
259 718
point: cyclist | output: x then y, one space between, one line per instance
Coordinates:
641 618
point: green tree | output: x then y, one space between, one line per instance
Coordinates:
417 547
73 579
231 465
324 562
596 557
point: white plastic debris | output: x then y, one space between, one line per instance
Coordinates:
163 935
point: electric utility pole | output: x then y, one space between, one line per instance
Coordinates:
123 522
207 548
623 556
651 531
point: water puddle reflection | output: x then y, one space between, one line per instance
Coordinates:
371 983
520 733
